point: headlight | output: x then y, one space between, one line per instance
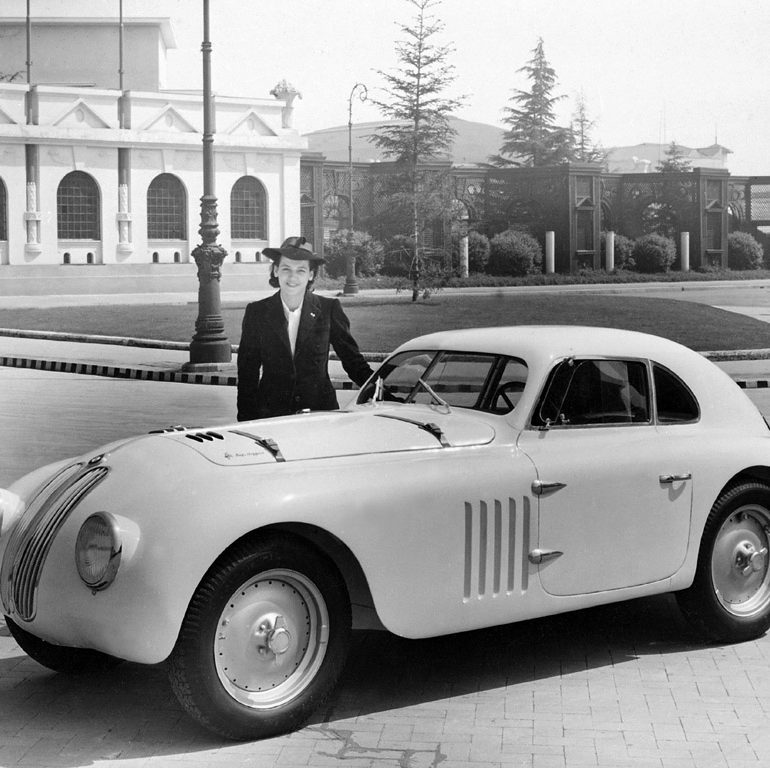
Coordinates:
98 551
11 508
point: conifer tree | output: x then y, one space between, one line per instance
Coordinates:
533 139
584 149
675 161
414 99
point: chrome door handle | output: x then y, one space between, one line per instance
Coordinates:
675 478
541 487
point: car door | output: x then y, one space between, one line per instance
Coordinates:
614 493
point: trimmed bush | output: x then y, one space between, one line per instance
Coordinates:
654 253
743 251
514 253
624 249
367 250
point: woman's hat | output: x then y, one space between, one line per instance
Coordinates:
296 248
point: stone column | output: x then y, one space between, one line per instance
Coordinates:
33 247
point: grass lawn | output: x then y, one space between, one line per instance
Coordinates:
381 323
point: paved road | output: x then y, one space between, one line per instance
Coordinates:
622 686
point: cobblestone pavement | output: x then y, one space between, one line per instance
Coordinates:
623 686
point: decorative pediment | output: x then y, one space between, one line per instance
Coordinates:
80 115
168 119
251 123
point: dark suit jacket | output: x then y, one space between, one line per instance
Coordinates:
273 383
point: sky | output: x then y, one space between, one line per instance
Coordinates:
690 71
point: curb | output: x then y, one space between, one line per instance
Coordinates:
230 379
140 374
129 341
184 377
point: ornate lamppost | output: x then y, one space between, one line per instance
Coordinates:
351 284
209 346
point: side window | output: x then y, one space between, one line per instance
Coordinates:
674 401
591 392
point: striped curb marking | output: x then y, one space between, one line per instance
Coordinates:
142 374
182 377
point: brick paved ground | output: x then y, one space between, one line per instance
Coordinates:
621 686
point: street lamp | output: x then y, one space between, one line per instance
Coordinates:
209 345
351 285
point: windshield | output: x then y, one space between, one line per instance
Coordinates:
479 381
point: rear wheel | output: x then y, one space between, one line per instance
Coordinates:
729 599
264 639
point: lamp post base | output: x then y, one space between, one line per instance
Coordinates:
209 355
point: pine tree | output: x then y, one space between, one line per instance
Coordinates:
533 139
584 149
675 161
414 99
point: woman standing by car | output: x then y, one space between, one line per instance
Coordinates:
283 356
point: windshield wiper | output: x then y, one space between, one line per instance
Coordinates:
427 426
263 442
436 398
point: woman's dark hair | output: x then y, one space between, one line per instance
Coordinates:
314 267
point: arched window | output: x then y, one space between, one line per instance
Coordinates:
248 210
77 208
166 209
3 212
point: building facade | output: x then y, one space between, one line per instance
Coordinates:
97 175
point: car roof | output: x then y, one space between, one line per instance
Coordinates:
549 342
539 346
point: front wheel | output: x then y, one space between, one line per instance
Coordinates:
729 599
264 639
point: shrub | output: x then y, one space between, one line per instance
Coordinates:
367 250
514 253
743 251
478 252
654 253
624 248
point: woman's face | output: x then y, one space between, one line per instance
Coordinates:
293 278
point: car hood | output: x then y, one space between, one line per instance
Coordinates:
327 435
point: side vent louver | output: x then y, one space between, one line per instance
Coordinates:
497 539
204 437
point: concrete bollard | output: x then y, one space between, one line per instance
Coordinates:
684 246
550 252
609 249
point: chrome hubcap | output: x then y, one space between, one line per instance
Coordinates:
739 567
271 638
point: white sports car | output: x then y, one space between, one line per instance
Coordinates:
481 477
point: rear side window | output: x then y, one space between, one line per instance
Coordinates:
595 392
673 399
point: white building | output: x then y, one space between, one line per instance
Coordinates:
90 173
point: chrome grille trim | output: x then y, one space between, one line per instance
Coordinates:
32 539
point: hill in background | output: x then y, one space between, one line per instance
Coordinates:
473 144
